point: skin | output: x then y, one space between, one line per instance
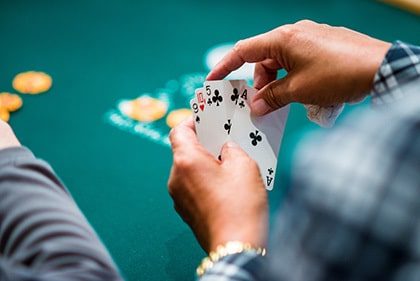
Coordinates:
7 137
326 65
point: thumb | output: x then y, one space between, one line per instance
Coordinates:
232 152
273 96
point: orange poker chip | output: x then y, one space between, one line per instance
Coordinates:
32 82
144 109
177 116
10 102
4 114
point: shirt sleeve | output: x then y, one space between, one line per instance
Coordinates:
400 66
43 235
246 266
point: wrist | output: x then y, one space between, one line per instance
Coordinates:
374 56
226 249
249 231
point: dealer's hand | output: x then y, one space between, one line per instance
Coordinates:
326 65
7 137
220 200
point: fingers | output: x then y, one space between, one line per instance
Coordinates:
232 152
265 72
254 49
271 97
183 135
187 151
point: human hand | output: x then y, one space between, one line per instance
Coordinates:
7 137
221 201
326 65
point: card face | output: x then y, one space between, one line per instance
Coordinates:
260 137
272 124
210 120
196 113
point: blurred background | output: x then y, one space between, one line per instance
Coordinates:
99 52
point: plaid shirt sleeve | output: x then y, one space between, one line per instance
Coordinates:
400 66
353 211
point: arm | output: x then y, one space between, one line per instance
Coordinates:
349 211
356 57
336 220
43 234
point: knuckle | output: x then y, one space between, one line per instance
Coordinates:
173 133
304 22
276 99
183 163
292 86
271 98
239 46
171 189
288 33
176 187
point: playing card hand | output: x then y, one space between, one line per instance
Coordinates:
220 200
326 65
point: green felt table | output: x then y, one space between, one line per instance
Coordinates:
99 52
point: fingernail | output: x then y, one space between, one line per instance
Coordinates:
259 107
231 144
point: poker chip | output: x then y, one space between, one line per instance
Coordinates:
144 109
32 82
4 114
10 102
177 116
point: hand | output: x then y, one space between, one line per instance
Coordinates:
7 137
326 65
220 200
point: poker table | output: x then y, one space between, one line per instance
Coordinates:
100 52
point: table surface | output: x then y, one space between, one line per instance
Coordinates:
100 52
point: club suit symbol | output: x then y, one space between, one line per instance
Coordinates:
255 137
235 96
228 126
217 98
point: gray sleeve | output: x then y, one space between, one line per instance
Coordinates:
43 234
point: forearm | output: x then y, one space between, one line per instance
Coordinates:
42 232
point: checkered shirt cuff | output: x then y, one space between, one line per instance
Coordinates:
401 65
245 266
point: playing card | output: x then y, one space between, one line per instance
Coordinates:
210 119
260 137
272 124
